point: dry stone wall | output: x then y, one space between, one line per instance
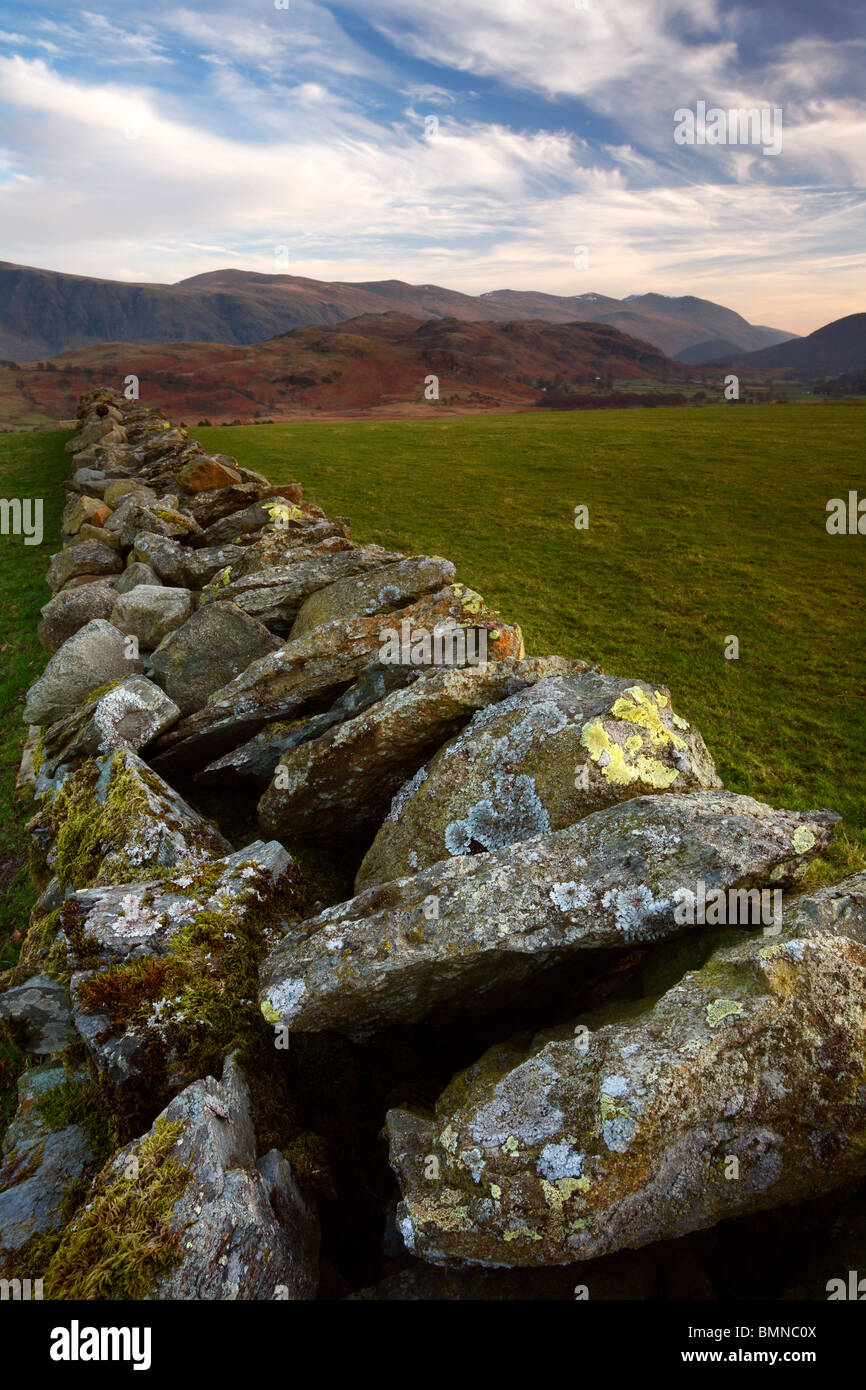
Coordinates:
243 710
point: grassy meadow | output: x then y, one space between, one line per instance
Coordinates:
31 465
703 524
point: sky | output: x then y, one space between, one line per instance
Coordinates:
477 144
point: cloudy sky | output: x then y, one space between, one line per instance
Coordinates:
152 142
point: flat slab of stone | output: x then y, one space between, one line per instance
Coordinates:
468 930
538 761
342 781
300 673
739 1090
275 594
377 592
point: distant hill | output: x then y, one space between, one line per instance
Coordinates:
44 312
373 362
837 347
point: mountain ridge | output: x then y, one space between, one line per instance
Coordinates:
44 312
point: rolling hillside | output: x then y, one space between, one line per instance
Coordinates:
373 362
837 347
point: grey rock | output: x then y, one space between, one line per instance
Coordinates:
245 1230
343 781
538 761
381 591
216 644
131 518
71 609
151 611
254 762
274 595
162 554
129 921
93 656
616 879
202 565
279 685
39 1165
136 574
145 825
90 557
130 714
39 1010
739 1090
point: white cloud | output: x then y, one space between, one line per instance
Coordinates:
276 144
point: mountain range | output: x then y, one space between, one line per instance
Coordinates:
45 312
839 346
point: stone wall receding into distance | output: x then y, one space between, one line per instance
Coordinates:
317 844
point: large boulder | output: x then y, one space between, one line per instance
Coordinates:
188 1212
213 646
538 761
129 714
740 1089
41 1167
381 591
274 595
90 557
300 673
71 609
341 782
151 611
470 931
163 970
92 657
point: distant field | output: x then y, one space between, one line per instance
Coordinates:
703 524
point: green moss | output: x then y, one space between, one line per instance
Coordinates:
91 1103
206 984
126 993
123 1240
88 831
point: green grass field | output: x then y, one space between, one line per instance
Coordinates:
704 523
31 465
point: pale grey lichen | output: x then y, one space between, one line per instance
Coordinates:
560 1160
